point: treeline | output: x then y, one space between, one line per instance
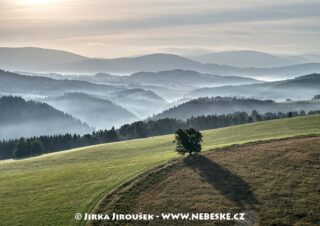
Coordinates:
142 129
27 147
20 148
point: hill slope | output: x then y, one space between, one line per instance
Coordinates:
186 79
30 58
83 176
22 84
20 118
227 105
249 58
303 87
162 62
269 189
44 60
127 65
169 84
99 113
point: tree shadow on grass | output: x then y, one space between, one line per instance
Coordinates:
231 186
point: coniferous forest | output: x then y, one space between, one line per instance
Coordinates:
27 147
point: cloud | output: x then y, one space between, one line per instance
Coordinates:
107 26
142 25
301 10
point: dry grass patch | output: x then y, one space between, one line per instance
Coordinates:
274 183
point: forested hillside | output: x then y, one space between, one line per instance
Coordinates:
20 118
21 84
303 87
226 105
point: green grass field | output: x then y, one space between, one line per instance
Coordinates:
50 189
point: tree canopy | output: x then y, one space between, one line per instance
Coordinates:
188 141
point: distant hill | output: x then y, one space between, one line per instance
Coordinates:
249 58
127 65
312 57
184 79
21 84
20 118
99 113
168 84
139 101
225 105
42 60
30 58
168 92
303 87
164 62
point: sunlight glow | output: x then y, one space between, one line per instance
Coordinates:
36 2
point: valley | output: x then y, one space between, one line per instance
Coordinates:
81 129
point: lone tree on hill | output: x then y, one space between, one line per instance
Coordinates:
188 141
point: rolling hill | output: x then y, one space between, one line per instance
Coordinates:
125 65
169 84
142 103
177 79
65 62
303 87
99 113
164 62
20 118
22 84
227 105
258 179
186 79
249 58
30 58
84 175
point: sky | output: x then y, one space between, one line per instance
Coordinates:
115 28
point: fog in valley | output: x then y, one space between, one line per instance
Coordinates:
41 128
20 118
98 113
114 92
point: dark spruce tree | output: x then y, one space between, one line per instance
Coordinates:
188 141
36 147
21 150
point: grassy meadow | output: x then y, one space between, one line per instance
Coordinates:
50 189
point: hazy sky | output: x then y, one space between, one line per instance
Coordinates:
113 28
